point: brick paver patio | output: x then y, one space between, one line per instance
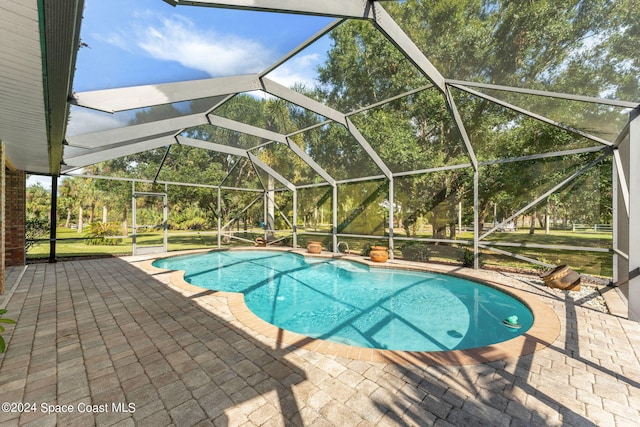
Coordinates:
119 346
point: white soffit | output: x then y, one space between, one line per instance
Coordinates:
23 125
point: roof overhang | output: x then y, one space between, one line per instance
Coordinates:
38 49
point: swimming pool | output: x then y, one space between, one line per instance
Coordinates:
351 303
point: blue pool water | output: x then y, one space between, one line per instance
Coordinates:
350 303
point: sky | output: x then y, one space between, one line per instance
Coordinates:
149 41
130 43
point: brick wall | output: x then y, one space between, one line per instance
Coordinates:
14 217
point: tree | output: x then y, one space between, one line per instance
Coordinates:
38 202
541 45
38 212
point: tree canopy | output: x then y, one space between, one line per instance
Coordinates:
428 138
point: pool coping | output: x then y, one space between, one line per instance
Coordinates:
544 331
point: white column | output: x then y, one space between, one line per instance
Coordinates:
2 216
634 216
391 216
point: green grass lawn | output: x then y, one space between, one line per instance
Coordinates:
177 240
593 263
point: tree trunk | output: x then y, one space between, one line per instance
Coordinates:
125 228
542 221
92 212
532 226
80 220
406 224
68 223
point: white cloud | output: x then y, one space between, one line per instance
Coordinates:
86 121
299 69
217 54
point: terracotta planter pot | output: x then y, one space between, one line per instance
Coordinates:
379 254
314 247
562 277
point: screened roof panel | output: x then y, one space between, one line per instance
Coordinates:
242 174
599 120
558 47
194 165
224 136
285 162
268 112
497 132
84 120
382 71
337 152
142 165
413 133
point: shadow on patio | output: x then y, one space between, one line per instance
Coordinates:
104 331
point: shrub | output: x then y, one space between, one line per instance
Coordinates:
35 228
415 252
467 259
287 241
195 224
99 233
366 249
3 344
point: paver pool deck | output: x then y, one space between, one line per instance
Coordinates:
122 344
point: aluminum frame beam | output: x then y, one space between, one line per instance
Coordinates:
463 131
516 256
129 133
634 216
144 181
388 100
534 115
388 26
309 161
622 180
73 151
558 95
373 154
129 98
430 170
271 136
302 46
276 89
543 155
212 146
120 151
547 194
338 8
487 243
259 163
290 95
246 129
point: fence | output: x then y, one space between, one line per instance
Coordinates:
602 228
